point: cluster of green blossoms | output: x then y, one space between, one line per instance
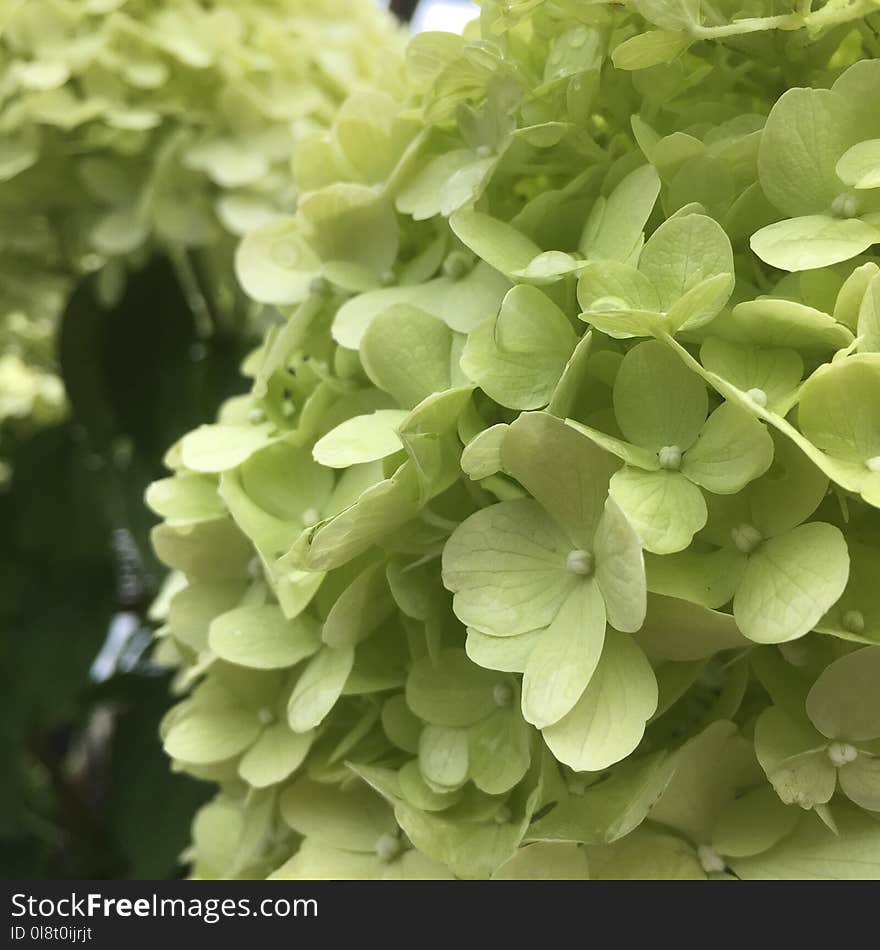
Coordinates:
129 127
546 542
31 395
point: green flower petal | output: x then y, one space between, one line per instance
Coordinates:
609 719
843 703
732 449
665 509
506 566
564 657
658 402
789 583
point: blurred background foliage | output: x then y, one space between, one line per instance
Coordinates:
80 699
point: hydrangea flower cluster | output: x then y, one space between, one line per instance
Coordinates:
546 542
135 126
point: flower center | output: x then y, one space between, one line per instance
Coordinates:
669 458
873 464
842 753
854 621
265 715
609 303
310 516
845 206
794 653
710 859
757 396
746 537
580 562
456 265
256 416
502 694
319 286
387 848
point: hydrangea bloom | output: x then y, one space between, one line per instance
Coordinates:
545 543
131 127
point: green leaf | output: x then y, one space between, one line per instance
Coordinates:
812 241
497 243
790 582
519 357
682 253
806 133
608 722
262 638
319 686
732 449
843 702
665 509
859 166
658 402
573 490
564 657
361 439
450 691
443 755
275 756
506 567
